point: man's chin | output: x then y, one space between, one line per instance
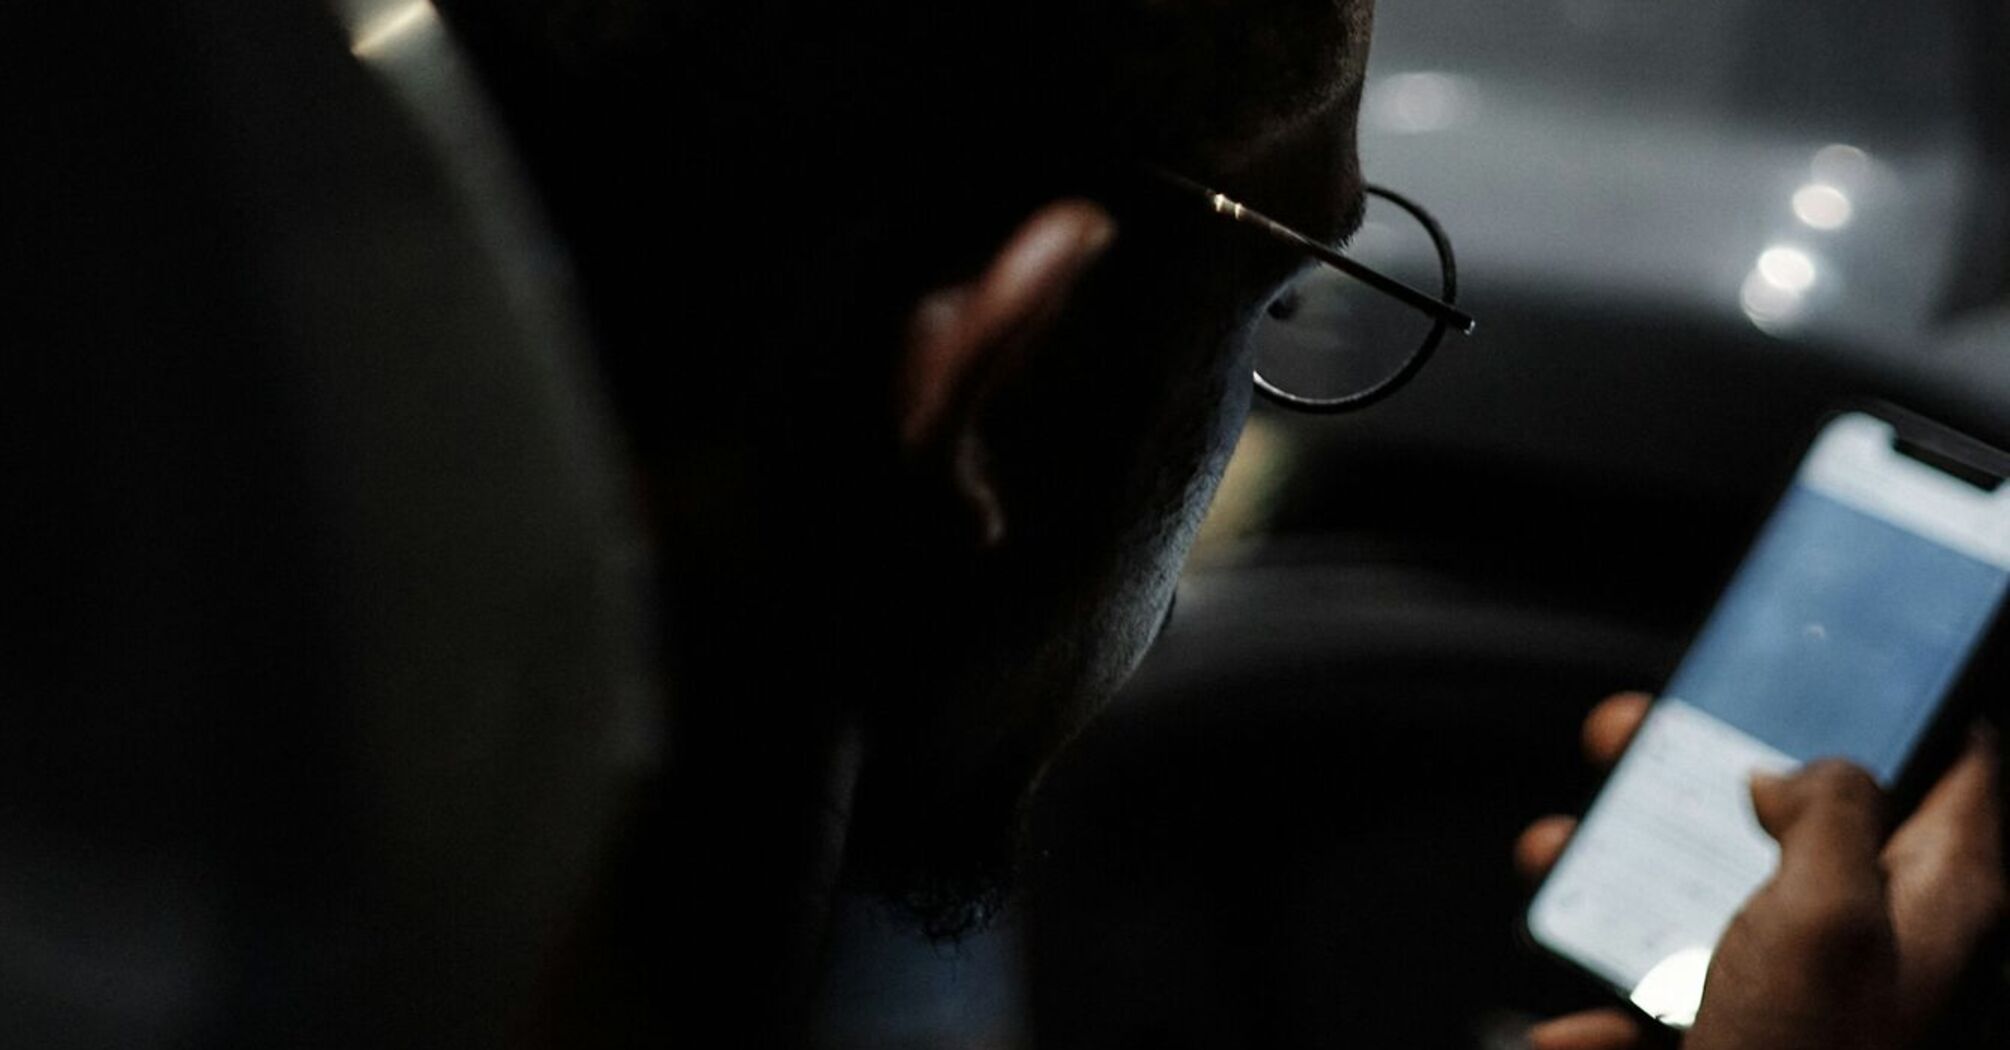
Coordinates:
944 860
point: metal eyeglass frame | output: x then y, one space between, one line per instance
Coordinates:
1444 314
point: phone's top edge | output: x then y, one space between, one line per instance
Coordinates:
1937 437
1854 462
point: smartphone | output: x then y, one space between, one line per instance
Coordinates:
1848 631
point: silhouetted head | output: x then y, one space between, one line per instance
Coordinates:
931 377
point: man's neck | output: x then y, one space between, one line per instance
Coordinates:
715 915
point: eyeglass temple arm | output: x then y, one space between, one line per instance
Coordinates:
1456 319
1439 310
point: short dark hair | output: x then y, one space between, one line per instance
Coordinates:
710 131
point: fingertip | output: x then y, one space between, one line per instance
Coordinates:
1536 850
1834 806
1611 724
1842 779
1764 783
1591 1030
1768 791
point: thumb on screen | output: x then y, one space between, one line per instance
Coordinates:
1827 898
1830 803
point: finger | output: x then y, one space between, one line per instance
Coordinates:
1828 892
1945 865
1591 1030
1535 852
1610 726
1830 814
1960 817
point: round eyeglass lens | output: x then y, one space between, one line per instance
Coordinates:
1330 337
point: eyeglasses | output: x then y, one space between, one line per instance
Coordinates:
1345 335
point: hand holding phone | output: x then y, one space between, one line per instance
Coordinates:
1845 634
1856 942
1942 887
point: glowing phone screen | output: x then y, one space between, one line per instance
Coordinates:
1851 618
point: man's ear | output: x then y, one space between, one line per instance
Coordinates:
965 340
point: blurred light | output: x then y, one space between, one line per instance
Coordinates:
395 24
1823 206
1772 308
1418 103
1839 164
1673 990
1788 269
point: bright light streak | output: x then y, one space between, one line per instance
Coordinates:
392 26
1822 206
1788 269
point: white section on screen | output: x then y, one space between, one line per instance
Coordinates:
1853 464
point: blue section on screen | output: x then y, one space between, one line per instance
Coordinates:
1840 635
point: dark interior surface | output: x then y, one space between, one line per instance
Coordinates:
1289 851
316 602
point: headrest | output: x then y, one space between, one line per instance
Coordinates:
320 670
